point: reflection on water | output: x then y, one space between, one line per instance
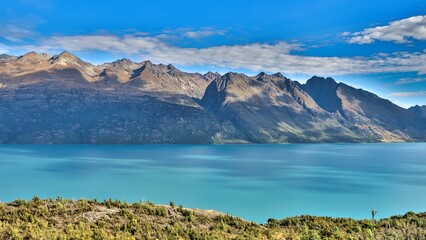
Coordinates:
252 181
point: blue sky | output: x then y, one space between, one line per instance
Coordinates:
375 45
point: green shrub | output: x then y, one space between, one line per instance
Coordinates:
111 219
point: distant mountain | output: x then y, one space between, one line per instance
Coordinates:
62 99
370 117
6 58
419 110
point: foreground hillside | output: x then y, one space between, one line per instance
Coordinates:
62 99
82 219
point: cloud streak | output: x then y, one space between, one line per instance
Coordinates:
401 31
14 33
127 44
280 56
411 80
203 33
408 94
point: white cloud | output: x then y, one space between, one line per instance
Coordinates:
181 33
14 33
345 34
280 56
203 33
411 80
408 94
127 44
400 31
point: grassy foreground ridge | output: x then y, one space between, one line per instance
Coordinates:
110 219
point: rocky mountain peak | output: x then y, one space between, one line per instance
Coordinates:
65 58
123 61
330 79
66 54
171 67
231 75
212 76
315 80
122 64
264 77
323 91
33 57
225 80
147 65
31 54
278 75
173 71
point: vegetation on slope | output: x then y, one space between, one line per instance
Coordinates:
90 219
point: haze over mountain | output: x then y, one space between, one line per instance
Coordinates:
62 99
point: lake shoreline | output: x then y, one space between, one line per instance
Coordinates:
111 219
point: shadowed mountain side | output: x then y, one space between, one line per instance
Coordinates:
323 90
268 108
272 108
371 116
76 115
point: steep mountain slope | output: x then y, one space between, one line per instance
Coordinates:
152 78
419 110
120 71
91 116
144 77
33 68
372 118
161 78
323 90
271 108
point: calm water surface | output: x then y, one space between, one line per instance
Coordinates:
251 181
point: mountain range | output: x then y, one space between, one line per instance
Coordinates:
62 99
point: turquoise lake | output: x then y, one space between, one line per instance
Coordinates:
255 182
